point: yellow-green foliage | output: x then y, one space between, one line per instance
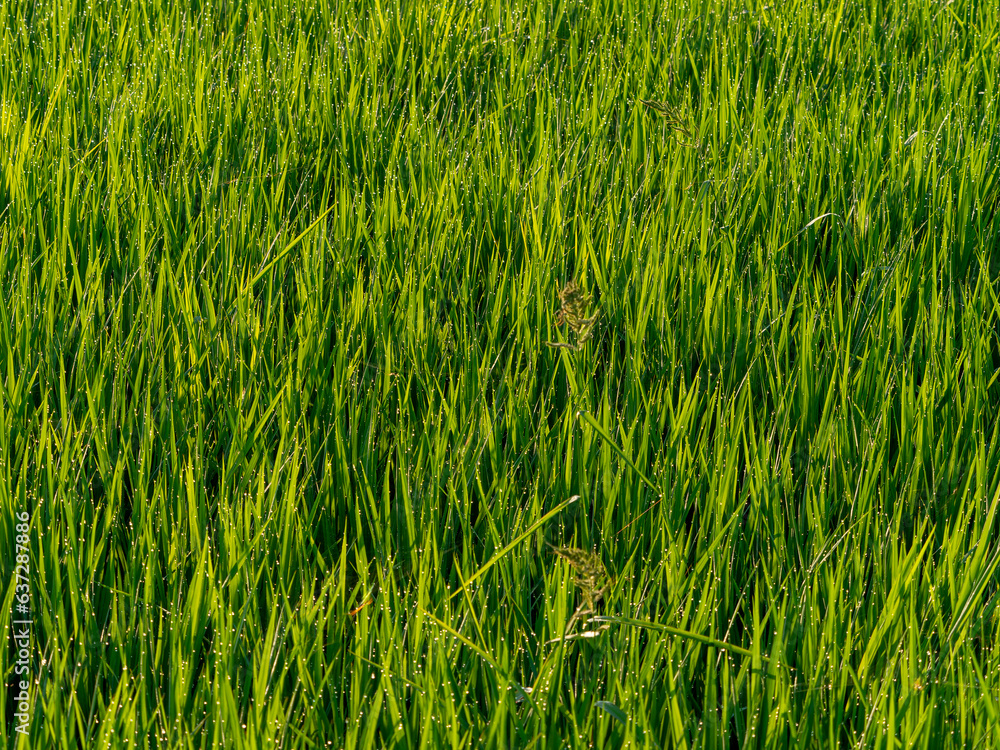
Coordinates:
323 322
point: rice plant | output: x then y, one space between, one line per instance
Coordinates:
476 374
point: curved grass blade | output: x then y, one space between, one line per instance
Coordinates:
564 504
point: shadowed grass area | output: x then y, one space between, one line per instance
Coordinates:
467 374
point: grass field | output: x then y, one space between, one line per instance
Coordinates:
484 375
